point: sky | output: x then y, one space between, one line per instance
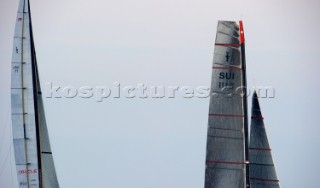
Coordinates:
160 142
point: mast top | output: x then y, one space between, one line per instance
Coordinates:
241 32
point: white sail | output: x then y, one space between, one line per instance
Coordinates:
30 137
225 158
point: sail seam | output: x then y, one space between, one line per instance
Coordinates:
227 115
226 68
262 179
266 149
237 138
224 129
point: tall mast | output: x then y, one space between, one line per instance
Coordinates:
245 101
35 96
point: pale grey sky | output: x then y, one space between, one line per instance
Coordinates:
160 143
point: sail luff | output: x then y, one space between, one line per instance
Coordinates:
35 98
262 169
245 102
225 158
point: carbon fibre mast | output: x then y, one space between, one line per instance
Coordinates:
245 102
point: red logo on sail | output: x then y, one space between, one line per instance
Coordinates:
32 171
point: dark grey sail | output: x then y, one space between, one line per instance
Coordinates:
33 156
226 138
262 169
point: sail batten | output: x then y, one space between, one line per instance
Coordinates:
28 121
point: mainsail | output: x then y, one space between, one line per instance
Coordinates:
226 157
33 156
262 170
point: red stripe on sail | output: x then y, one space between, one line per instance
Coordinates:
227 115
223 44
227 68
262 179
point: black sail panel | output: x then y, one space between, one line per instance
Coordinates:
262 169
